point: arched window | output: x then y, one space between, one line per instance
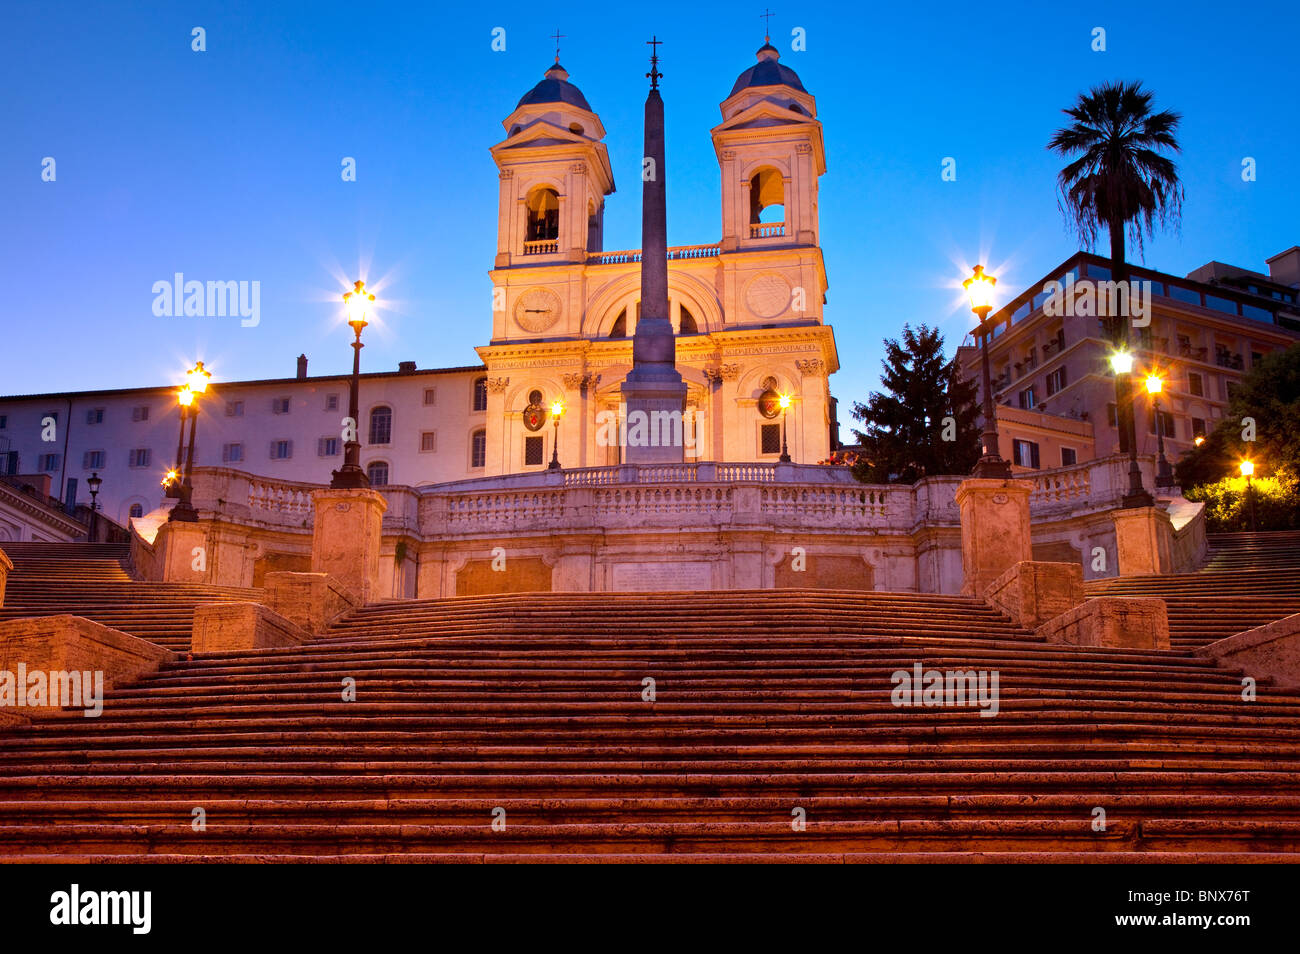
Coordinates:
593 228
766 197
480 394
688 326
381 425
136 511
543 216
478 448
377 471
619 328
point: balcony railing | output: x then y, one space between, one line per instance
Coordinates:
767 230
542 247
1229 359
633 255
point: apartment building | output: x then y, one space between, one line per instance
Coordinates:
1049 359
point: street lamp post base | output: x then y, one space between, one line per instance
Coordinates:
183 512
1140 498
992 468
349 477
553 465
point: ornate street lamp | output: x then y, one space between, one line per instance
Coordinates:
557 412
1121 362
196 385
1248 471
1164 474
784 402
350 476
171 482
93 485
980 288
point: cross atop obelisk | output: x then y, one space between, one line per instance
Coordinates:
653 391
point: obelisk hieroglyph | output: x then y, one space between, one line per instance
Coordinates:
653 392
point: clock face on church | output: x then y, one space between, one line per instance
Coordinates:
537 309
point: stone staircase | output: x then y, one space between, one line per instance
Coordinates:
91 580
1249 579
769 707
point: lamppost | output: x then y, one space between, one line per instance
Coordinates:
784 402
171 483
980 288
1248 471
1121 362
1164 474
557 412
350 476
196 385
93 484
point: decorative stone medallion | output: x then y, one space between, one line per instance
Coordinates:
537 310
769 404
535 412
768 295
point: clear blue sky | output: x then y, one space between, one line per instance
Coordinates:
225 164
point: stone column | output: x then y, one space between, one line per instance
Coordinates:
345 538
1144 541
994 529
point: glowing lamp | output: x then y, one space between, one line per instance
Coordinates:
197 378
1198 440
784 401
185 396
356 301
557 408
1154 384
980 289
1121 362
1247 468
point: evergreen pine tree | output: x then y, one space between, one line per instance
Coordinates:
926 400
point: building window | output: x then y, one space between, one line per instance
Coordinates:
140 413
1255 358
534 452
1055 381
232 453
280 405
1198 427
95 415
93 460
1230 389
543 216
1112 415
1196 384
478 449
1069 457
1026 453
4 421
430 397
48 463
769 439
428 442
281 450
327 447
480 394
234 409
381 425
139 457
377 471
331 402
137 510
1027 399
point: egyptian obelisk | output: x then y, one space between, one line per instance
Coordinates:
654 393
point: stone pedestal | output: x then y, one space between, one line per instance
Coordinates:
309 600
994 529
182 553
236 627
1144 541
1111 622
1033 593
72 644
345 538
5 566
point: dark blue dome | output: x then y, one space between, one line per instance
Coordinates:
555 89
768 72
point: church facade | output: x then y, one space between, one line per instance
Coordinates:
747 310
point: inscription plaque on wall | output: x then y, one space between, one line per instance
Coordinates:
640 577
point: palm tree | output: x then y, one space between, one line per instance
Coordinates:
1120 179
